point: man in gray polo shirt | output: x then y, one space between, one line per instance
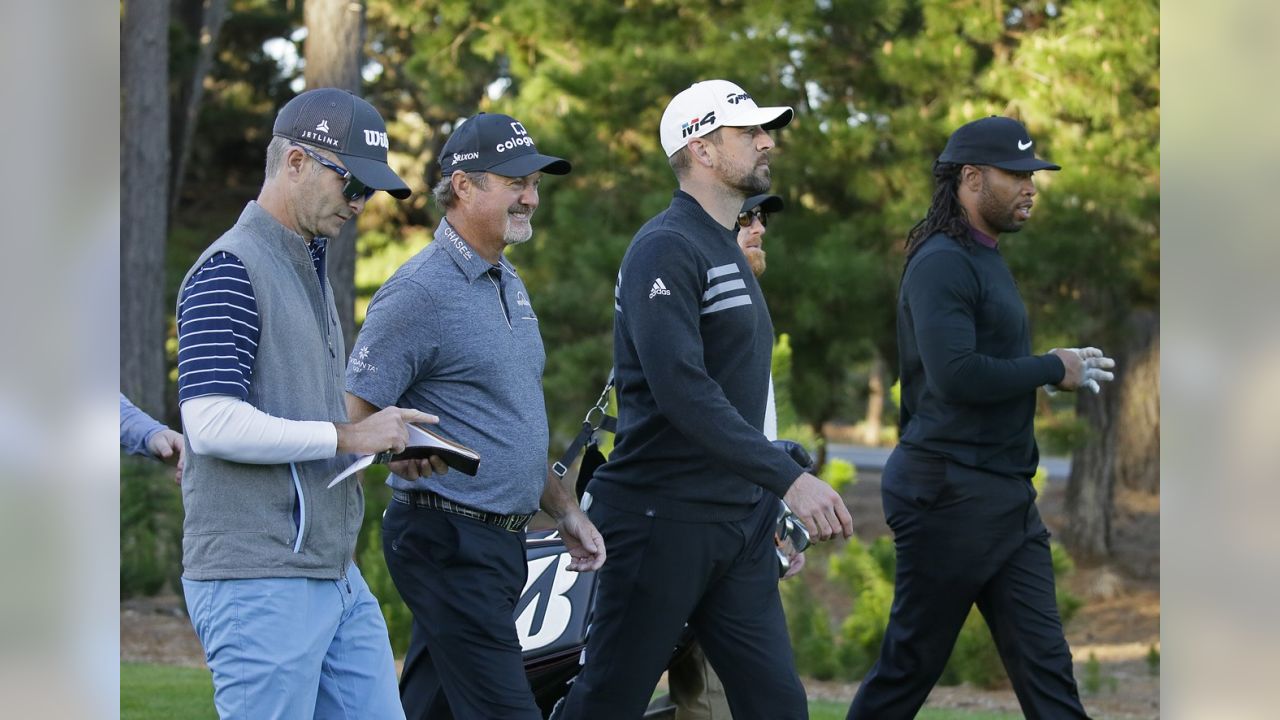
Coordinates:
453 330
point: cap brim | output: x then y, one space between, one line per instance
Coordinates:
522 165
767 203
377 175
1024 165
769 118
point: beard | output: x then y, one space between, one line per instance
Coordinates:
753 181
755 258
997 213
517 232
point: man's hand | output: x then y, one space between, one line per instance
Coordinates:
1074 376
414 469
1094 369
796 565
383 430
582 540
168 446
819 507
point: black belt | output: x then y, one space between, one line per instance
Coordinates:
432 501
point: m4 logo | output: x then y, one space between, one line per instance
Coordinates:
695 124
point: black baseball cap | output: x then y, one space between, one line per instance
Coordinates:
491 142
339 121
996 141
767 203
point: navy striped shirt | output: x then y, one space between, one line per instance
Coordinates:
218 327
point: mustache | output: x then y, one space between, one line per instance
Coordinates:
520 207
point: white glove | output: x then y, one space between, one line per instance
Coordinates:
1096 366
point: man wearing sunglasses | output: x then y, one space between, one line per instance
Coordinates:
687 501
288 625
453 332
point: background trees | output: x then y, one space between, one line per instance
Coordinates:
877 86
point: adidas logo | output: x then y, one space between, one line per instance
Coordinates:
658 289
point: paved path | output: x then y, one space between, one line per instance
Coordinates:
873 458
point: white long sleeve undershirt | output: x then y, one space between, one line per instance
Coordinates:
229 428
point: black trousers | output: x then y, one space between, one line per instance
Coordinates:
964 536
461 578
722 578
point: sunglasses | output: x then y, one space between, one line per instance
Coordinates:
745 218
354 188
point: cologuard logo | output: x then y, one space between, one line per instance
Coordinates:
374 138
735 98
520 139
695 124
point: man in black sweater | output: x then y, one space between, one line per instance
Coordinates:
688 499
957 490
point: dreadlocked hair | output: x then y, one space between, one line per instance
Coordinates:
946 214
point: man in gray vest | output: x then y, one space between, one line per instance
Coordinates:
453 332
288 625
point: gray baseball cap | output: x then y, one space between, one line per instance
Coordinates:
343 123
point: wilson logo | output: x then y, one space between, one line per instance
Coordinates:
375 138
696 124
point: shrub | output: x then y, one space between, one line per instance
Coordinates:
150 528
811 638
839 473
374 566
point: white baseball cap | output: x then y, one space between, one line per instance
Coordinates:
711 104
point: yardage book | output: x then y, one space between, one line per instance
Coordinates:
423 443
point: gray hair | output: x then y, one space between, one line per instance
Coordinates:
275 155
443 192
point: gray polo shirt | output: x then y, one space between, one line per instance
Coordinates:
454 336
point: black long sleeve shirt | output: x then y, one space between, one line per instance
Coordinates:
692 345
968 377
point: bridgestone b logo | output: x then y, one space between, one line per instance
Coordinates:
374 138
695 124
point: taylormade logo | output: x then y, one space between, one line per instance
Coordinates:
374 138
463 157
735 98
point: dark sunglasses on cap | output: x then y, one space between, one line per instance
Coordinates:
354 188
744 218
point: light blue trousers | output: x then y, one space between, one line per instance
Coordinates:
295 648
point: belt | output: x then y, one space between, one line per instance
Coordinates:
432 501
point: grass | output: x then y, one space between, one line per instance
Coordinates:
161 692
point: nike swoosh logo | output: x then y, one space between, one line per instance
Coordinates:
1024 147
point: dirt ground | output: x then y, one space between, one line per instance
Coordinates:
1118 624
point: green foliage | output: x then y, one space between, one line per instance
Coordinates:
150 528
1092 684
839 473
862 576
812 641
1068 602
877 87
1153 660
374 566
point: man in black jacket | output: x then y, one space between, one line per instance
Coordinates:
957 490
688 498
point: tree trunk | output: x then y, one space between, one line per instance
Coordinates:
215 11
1138 442
875 402
1123 442
144 184
334 48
